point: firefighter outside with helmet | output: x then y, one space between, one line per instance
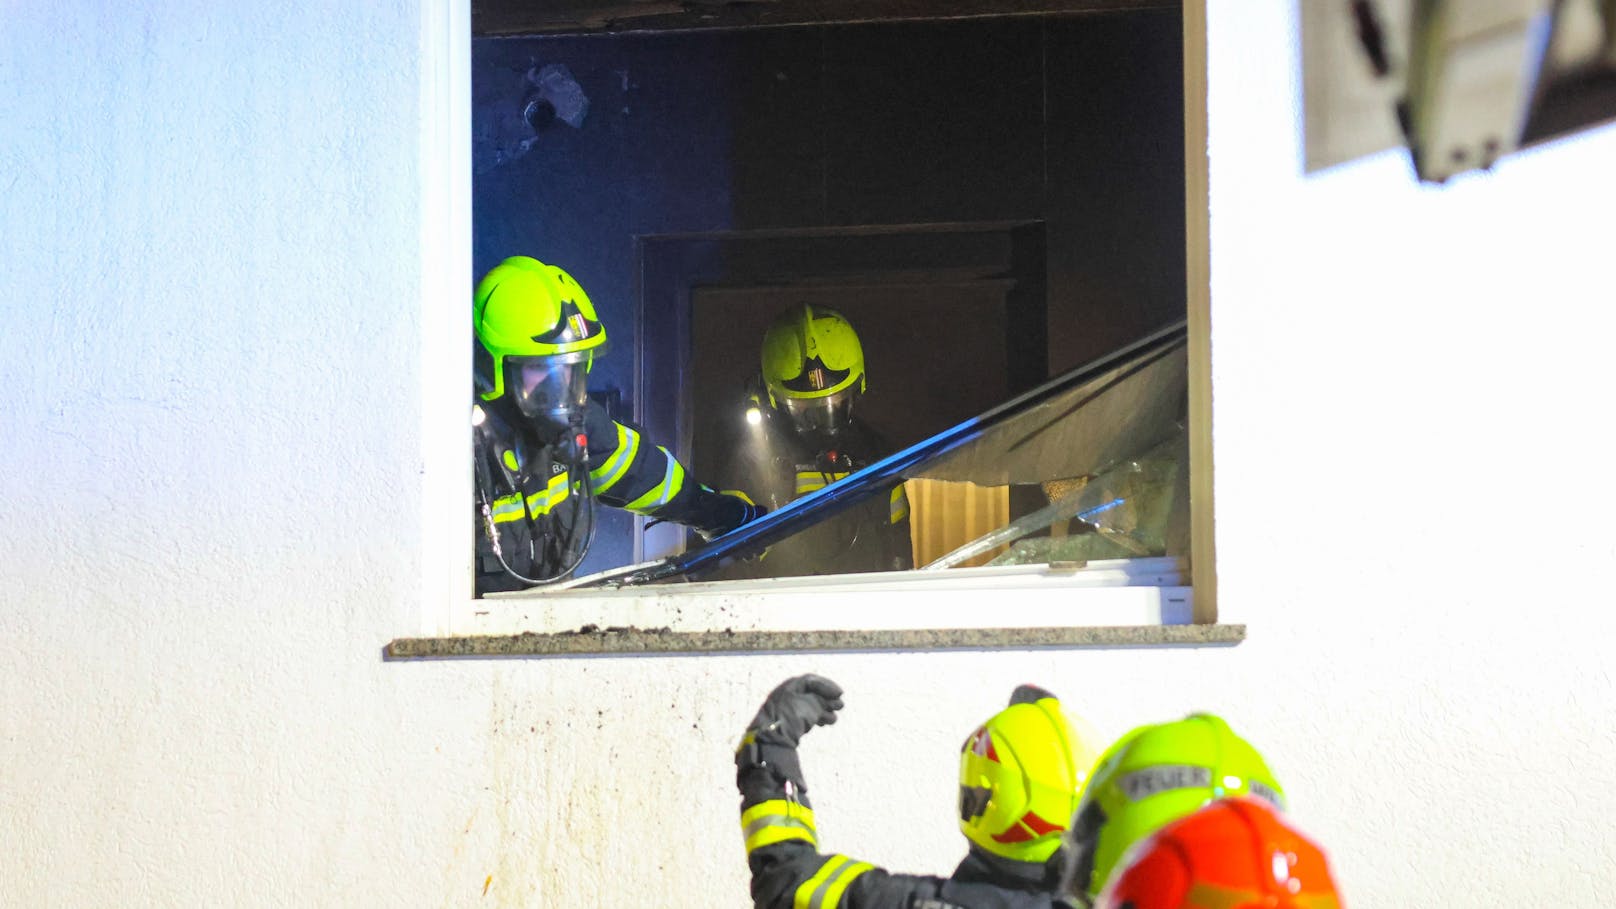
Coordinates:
1233 852
545 451
1177 815
1021 775
1150 777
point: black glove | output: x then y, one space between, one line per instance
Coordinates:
732 509
791 709
794 707
753 512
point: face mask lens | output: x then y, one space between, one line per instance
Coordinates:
550 391
821 416
973 801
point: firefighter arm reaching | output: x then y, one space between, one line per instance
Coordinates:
782 840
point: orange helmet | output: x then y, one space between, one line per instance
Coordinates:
1235 853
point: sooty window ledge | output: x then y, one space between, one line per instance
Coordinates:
628 640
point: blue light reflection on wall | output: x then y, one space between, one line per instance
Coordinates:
651 155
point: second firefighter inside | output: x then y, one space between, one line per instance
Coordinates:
798 431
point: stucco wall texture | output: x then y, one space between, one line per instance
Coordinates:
211 285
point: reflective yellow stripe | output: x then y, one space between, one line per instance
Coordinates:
769 834
673 480
804 897
606 475
507 508
839 883
510 460
552 495
824 890
777 821
900 504
810 480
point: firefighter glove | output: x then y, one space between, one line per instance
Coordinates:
794 707
770 745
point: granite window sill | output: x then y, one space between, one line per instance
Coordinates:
591 640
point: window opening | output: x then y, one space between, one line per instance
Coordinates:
795 131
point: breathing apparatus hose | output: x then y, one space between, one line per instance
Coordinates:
575 444
583 497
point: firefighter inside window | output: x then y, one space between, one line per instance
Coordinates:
545 452
797 431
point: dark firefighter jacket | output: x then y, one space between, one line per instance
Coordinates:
776 465
789 871
524 485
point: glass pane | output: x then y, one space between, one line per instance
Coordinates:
1122 513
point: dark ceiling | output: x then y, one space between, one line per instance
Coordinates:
512 18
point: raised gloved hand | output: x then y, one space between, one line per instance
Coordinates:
795 706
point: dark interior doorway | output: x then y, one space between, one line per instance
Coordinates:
935 353
952 318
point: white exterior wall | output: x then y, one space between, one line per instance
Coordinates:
211 275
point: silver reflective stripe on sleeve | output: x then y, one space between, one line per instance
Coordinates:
824 890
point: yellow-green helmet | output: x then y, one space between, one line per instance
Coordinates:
1151 777
813 366
1021 773
525 310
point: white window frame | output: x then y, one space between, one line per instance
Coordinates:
1152 592
445 255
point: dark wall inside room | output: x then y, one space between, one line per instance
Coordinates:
1074 121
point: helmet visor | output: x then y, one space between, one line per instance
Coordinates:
549 388
821 416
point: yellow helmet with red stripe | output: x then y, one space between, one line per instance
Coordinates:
1021 775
